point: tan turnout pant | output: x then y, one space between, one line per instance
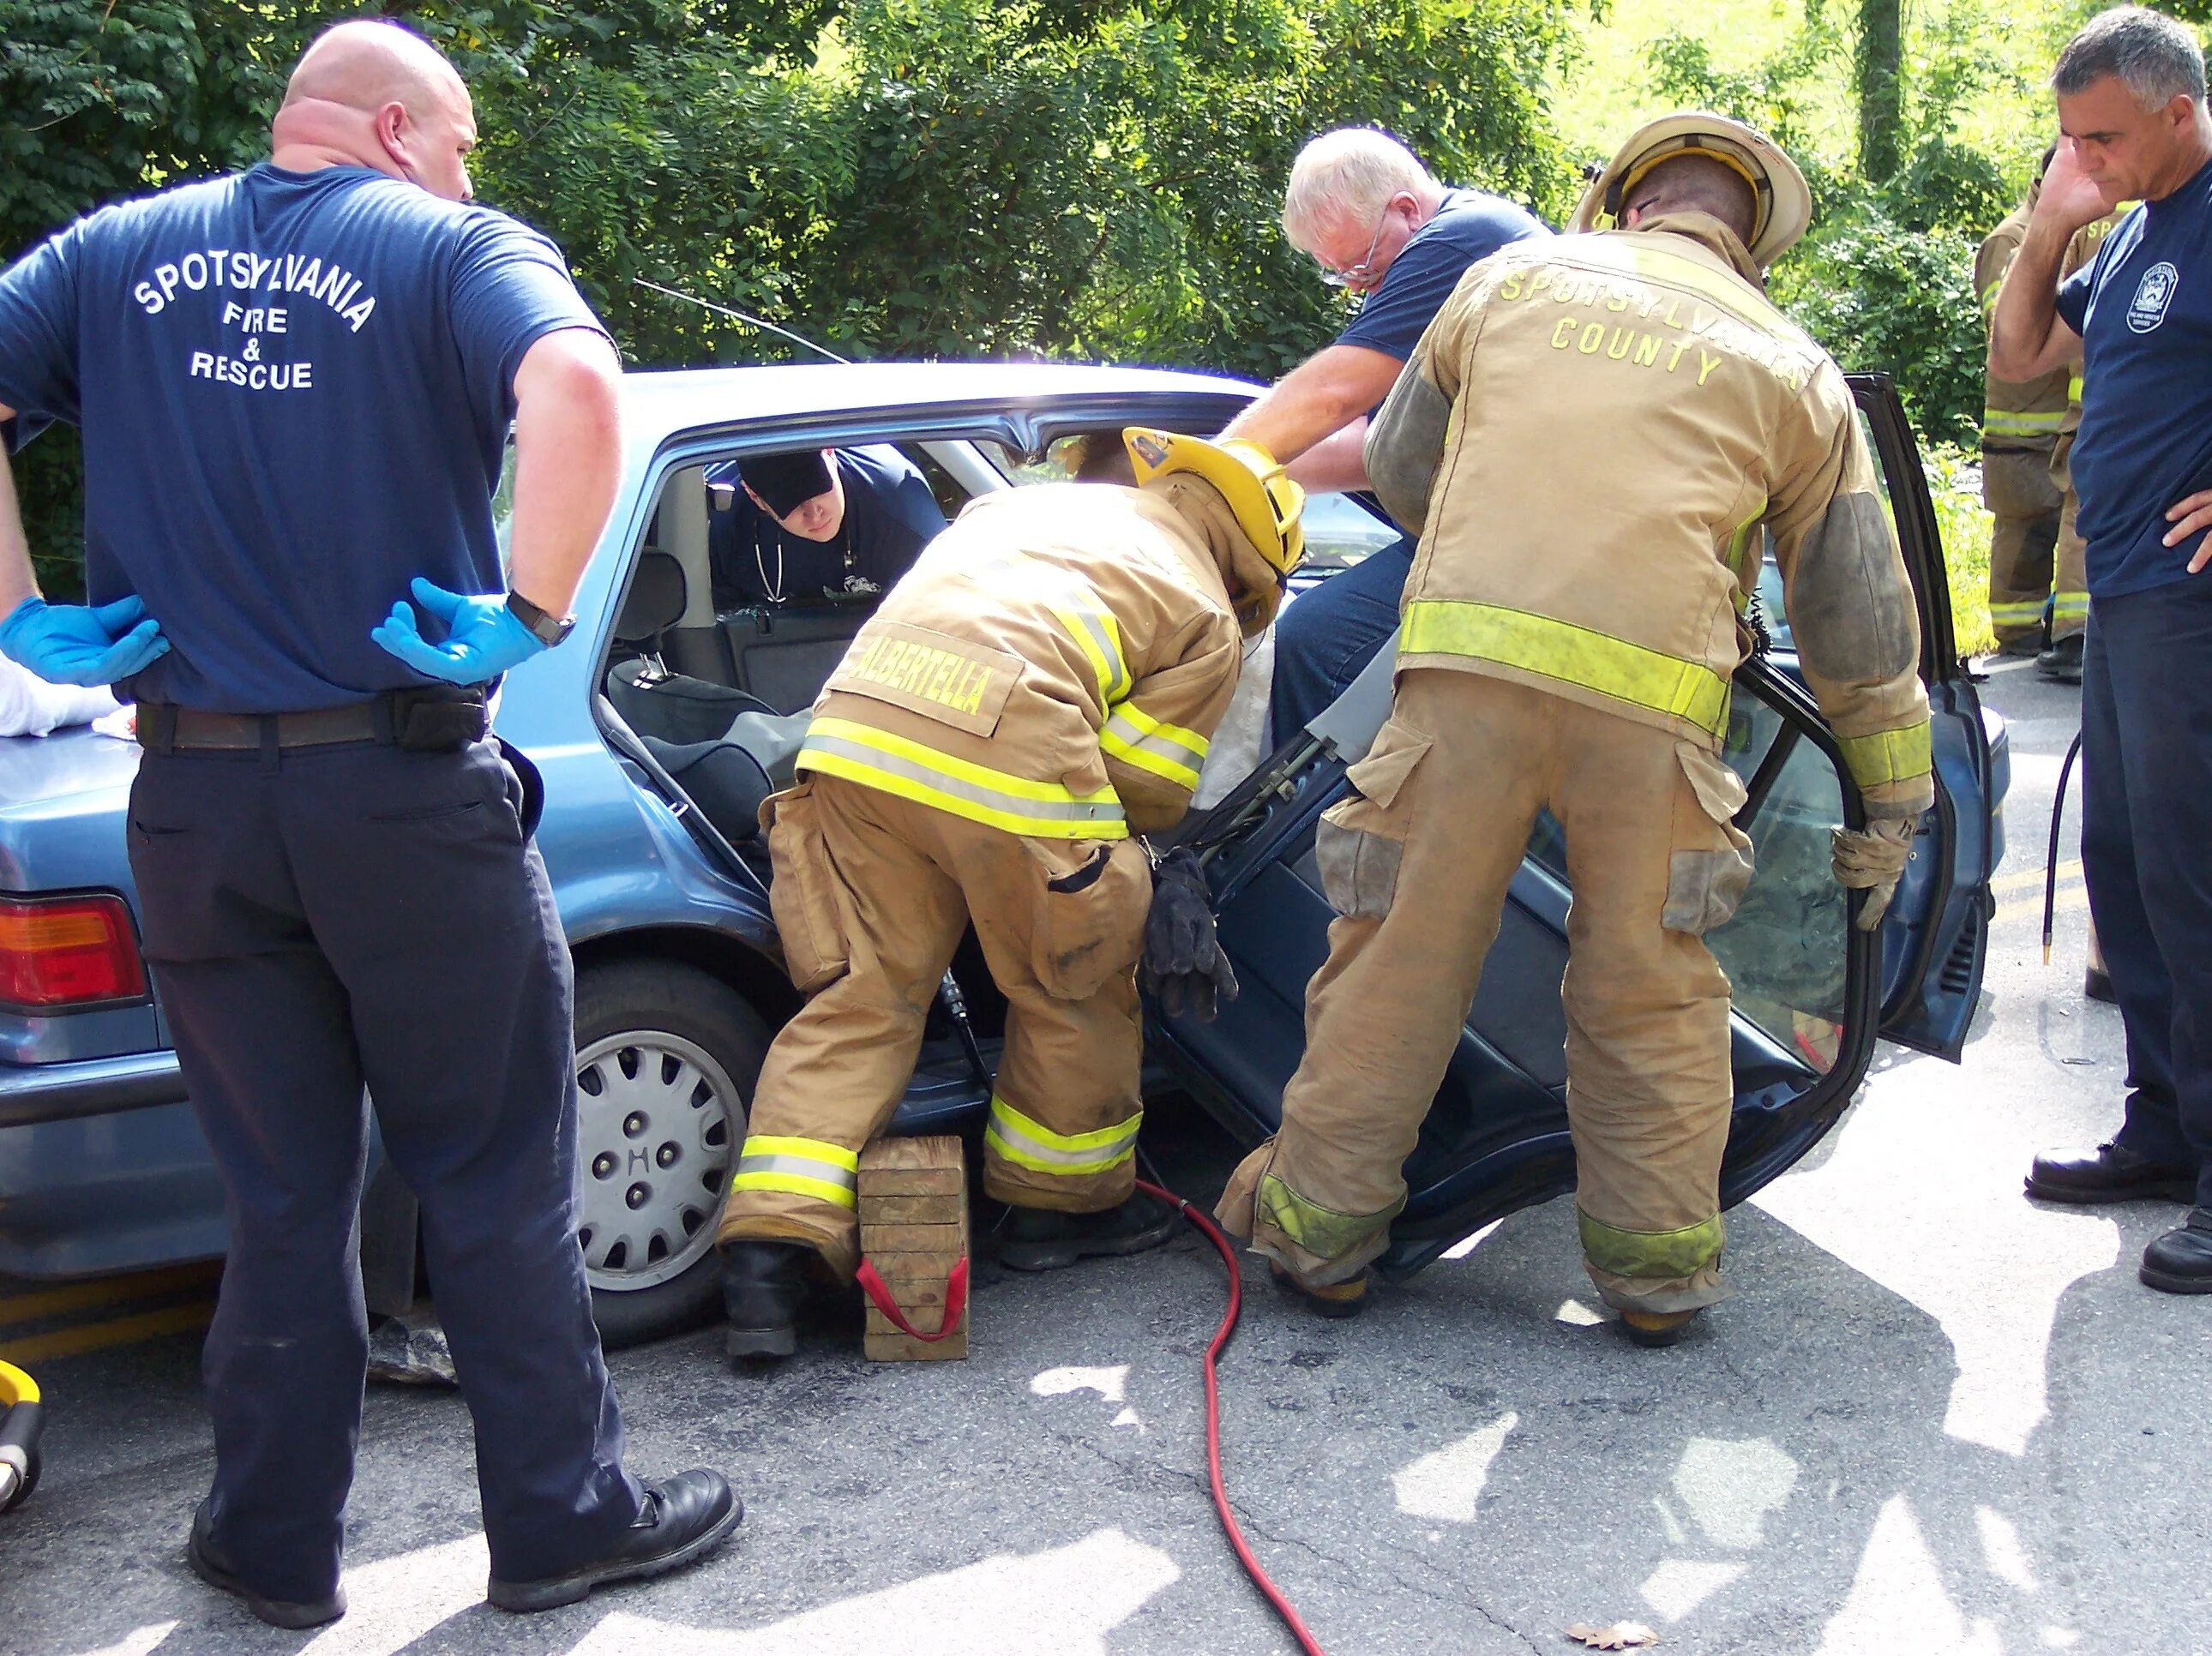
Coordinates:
871 894
1416 867
2024 497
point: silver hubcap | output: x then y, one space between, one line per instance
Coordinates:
660 1122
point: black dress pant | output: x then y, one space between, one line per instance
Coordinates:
2146 854
325 918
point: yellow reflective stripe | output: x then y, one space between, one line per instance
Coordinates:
893 764
1990 296
2074 389
817 1149
2071 606
1135 737
798 1166
1074 604
1644 1254
1889 755
1574 655
2015 423
2016 615
1737 542
1030 1143
1322 1232
1099 638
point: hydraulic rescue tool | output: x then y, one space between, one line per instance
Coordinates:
21 1417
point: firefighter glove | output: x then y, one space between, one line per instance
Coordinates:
1871 861
1182 963
483 637
78 644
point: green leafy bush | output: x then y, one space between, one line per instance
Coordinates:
1891 299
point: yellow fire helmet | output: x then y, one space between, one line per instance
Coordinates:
1266 502
1786 204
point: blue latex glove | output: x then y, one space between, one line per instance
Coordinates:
482 637
76 644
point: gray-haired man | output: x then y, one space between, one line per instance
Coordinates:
2130 91
1364 209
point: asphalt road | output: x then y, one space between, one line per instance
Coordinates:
1937 1418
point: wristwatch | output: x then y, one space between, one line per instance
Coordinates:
548 630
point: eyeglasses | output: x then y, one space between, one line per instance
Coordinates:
1361 273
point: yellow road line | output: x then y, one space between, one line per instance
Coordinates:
98 1336
106 1290
2028 878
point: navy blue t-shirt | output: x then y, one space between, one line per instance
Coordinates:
294 390
2143 308
1467 228
890 516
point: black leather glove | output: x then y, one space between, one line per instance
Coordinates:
1183 964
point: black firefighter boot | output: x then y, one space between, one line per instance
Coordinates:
763 1283
1043 1239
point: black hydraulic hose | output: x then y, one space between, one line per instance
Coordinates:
2051 856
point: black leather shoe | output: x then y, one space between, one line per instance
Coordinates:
2180 1262
2028 645
1336 1301
2061 662
1043 1239
2097 984
682 1521
292 1613
2108 1174
763 1284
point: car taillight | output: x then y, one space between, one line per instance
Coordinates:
67 951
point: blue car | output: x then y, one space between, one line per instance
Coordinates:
663 722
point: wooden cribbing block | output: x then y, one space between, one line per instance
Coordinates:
914 1230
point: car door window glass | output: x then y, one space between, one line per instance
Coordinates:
1785 950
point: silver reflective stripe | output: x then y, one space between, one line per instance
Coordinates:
1056 810
1108 651
1156 742
802 1167
1031 1149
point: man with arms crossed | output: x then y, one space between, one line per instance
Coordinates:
2133 125
294 383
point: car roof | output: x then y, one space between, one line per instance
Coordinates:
676 398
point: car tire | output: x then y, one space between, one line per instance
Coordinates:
668 1059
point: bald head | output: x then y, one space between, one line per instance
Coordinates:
375 93
1695 184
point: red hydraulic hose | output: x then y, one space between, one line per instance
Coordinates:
1207 1228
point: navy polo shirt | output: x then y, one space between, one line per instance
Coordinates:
890 516
1467 230
2143 308
294 390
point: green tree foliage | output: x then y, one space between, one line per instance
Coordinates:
1884 280
1094 178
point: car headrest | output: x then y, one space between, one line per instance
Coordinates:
656 600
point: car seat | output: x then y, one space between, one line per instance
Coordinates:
725 749
656 703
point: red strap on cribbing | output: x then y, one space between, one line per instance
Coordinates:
880 1295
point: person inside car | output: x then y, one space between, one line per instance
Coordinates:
819 526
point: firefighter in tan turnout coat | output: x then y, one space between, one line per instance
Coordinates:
1039 689
1596 434
2028 437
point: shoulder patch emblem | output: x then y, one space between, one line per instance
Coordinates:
2153 294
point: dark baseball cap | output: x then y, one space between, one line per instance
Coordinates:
786 481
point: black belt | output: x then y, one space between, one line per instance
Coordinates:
163 728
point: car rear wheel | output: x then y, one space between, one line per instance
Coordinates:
666 1060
